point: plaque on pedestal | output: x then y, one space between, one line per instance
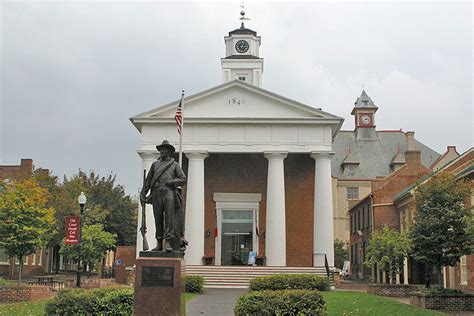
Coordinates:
159 284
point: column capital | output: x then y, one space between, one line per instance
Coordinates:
148 154
198 154
275 155
321 155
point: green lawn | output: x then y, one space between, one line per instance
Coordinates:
23 309
357 303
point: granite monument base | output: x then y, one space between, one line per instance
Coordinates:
159 284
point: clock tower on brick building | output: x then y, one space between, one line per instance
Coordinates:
364 114
242 59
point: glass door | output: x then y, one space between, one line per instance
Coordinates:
236 236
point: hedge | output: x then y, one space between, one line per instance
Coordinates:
290 282
194 284
104 301
286 302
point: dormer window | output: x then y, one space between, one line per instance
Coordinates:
350 168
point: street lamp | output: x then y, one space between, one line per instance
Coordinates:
82 201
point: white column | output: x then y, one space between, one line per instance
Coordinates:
194 223
147 159
323 238
275 236
378 276
384 277
405 270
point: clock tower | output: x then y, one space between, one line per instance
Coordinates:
364 114
242 61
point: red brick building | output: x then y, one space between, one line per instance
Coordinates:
37 263
378 209
461 276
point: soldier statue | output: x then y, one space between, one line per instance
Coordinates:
164 180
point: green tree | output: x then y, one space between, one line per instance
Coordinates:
25 222
341 253
440 232
95 241
107 203
387 249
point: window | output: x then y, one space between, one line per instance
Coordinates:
242 78
352 193
363 218
40 259
350 168
463 268
369 214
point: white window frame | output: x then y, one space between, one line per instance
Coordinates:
351 195
40 260
463 270
236 202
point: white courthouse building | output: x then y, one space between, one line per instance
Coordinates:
258 167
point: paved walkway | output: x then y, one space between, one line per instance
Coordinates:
214 302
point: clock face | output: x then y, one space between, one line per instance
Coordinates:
242 46
365 119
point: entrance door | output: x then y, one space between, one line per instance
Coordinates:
236 236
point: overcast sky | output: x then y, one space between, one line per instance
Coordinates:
73 73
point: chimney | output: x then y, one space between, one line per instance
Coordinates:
412 156
410 141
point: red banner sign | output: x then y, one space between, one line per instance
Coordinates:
72 230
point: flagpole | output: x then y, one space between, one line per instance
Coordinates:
182 130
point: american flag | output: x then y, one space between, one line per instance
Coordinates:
178 116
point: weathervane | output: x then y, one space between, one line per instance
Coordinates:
242 16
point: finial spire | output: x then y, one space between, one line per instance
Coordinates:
242 16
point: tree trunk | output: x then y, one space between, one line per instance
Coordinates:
427 275
56 259
20 270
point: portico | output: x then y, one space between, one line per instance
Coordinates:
258 167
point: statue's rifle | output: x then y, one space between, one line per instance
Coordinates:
143 228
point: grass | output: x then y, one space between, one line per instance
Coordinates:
36 308
32 308
358 303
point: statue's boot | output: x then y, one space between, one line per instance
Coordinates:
159 246
168 246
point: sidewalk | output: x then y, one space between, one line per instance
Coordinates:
214 302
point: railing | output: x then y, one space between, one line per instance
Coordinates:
108 273
321 259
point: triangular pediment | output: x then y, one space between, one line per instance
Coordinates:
237 100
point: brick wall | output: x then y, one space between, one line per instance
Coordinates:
24 293
394 290
445 302
385 189
127 256
25 169
249 175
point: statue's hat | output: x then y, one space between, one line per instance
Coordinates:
166 144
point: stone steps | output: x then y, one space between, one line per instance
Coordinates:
240 276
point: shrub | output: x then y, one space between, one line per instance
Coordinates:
290 282
84 302
286 302
119 302
440 291
194 284
3 281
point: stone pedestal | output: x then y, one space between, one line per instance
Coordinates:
159 284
